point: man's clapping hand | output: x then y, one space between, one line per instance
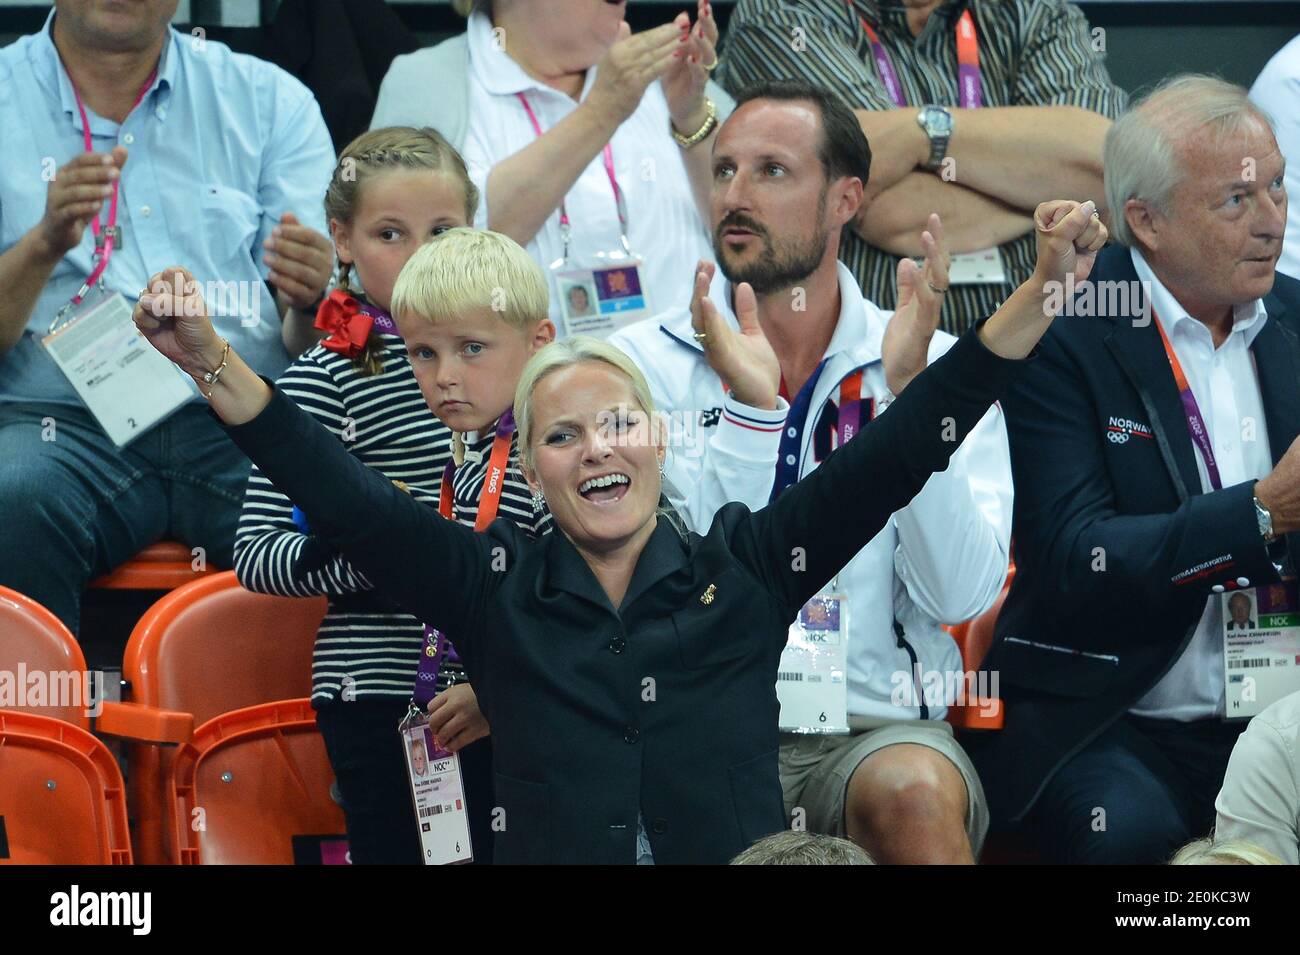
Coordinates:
743 358
905 349
77 191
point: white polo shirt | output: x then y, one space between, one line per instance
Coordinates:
664 225
1226 387
1277 92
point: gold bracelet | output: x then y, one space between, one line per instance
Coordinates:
210 377
710 123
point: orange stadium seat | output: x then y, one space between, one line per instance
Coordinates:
253 788
165 565
974 638
62 800
35 642
206 649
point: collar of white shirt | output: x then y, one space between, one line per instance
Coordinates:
859 330
1247 319
496 69
49 69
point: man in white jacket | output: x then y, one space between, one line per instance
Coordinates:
789 168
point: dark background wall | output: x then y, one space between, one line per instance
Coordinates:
1144 40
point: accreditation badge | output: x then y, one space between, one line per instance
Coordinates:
1261 647
977 268
604 297
124 381
438 792
811 683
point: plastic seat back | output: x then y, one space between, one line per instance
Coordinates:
62 801
254 787
979 640
208 648
41 664
160 566
974 639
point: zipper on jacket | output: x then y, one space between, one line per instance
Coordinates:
915 668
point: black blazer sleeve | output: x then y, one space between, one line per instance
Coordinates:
1067 524
438 570
814 528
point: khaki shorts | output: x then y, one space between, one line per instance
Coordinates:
815 771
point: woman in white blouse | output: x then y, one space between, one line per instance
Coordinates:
542 98
1260 799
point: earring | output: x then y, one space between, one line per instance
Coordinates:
539 502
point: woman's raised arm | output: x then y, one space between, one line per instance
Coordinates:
808 534
438 570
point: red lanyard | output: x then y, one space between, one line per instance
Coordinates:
608 154
1191 410
850 412
106 236
489 500
849 421
968 63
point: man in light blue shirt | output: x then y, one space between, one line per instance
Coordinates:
222 161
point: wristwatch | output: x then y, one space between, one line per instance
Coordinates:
936 121
1265 522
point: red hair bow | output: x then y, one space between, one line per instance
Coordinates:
349 327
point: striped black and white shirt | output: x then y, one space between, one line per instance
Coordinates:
516 499
1032 53
366 647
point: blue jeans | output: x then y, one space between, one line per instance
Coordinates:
1136 794
75 507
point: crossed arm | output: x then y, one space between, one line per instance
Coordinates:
1005 159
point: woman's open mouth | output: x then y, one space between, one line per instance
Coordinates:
606 489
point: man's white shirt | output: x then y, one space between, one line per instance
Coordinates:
1226 387
1277 92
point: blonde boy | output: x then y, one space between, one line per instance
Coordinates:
472 307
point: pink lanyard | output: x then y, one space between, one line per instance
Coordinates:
968 63
106 236
608 154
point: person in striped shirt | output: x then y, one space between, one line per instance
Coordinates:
473 307
975 109
391 190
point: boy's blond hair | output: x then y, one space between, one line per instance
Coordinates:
467 271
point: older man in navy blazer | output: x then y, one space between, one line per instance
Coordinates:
1157 469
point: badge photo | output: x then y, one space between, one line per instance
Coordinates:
1261 647
811 682
438 794
603 298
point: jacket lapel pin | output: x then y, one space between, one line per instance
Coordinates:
706 598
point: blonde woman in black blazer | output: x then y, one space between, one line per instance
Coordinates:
628 669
